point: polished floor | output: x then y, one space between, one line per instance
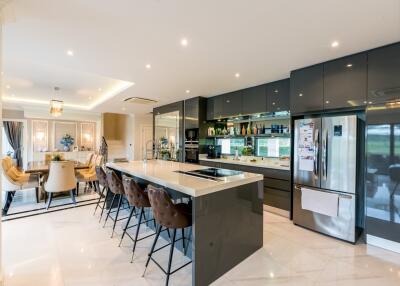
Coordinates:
71 248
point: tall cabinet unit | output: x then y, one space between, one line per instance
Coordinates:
278 96
306 89
384 74
254 100
345 82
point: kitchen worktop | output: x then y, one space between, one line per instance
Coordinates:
164 173
272 163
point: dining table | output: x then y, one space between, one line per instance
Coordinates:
41 168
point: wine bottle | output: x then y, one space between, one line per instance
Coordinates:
248 129
243 130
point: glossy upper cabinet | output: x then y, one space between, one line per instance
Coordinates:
384 74
210 108
345 82
254 99
228 105
278 95
306 89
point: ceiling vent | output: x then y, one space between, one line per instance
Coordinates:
140 100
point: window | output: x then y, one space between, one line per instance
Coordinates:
379 139
272 147
6 147
229 145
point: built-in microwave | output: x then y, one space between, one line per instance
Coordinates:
192 134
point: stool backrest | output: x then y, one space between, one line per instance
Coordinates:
101 176
136 196
165 212
114 183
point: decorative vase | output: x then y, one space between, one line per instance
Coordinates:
66 148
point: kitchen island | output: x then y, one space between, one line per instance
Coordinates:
227 212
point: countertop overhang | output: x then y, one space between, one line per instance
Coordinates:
164 173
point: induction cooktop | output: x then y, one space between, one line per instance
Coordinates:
217 173
211 173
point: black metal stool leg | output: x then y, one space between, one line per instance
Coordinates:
104 204
171 254
116 216
183 239
109 210
99 200
127 224
137 232
152 249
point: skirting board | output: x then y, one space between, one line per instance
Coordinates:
277 211
383 243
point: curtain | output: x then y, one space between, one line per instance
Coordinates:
13 131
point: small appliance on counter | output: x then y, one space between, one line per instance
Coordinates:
214 152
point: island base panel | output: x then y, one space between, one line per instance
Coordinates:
228 227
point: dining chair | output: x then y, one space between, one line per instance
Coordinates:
88 176
61 179
15 180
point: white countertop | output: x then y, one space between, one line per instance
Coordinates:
163 173
272 163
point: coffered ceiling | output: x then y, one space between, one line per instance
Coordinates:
100 52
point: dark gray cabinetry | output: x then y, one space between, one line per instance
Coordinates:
254 100
192 113
384 74
227 105
306 89
277 186
210 108
278 95
345 82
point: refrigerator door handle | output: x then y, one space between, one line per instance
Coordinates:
316 151
325 155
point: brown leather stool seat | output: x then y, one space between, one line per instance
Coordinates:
101 181
170 216
138 199
115 186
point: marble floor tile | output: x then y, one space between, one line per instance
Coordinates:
70 248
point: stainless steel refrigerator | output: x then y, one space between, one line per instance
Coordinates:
325 175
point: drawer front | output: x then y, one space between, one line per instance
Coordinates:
276 198
277 184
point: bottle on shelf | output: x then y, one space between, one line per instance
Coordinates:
243 130
248 129
255 129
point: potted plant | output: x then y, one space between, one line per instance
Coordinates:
67 141
56 157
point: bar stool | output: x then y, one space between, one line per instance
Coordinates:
115 186
138 199
101 181
170 216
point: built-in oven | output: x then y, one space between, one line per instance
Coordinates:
192 151
192 134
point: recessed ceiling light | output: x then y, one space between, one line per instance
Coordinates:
184 42
237 74
187 91
327 102
70 53
276 91
349 65
8 86
300 94
148 66
335 44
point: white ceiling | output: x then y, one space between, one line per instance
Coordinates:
263 40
